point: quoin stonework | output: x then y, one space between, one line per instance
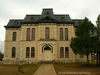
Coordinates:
41 38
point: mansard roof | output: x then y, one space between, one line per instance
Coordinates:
77 22
14 23
47 16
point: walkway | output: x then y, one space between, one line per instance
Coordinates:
45 69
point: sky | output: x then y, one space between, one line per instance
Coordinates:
17 9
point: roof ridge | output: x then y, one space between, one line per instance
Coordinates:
16 19
61 14
33 14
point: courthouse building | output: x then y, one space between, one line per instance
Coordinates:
43 37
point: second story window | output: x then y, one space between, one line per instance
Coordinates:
66 33
14 36
61 33
33 33
47 33
28 33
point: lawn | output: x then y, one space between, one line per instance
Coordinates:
12 69
77 69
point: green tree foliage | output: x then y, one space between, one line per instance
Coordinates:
83 42
96 45
84 27
1 56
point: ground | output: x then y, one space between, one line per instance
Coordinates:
12 69
77 68
60 69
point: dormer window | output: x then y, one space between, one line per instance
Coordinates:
62 19
32 19
47 13
16 22
47 16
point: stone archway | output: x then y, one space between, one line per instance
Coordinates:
47 51
47 45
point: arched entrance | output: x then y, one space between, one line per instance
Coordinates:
47 53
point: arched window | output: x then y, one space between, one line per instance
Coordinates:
81 55
66 52
47 48
32 51
66 33
47 33
28 33
61 33
33 33
61 52
27 52
13 51
14 36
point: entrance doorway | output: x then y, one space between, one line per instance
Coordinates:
47 54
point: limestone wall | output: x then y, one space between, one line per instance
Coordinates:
21 43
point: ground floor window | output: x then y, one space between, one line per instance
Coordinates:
30 53
27 52
61 52
13 51
81 55
64 53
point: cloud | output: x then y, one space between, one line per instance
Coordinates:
2 46
17 9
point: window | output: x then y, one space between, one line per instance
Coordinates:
32 51
66 52
33 33
13 51
14 36
27 52
81 55
28 33
47 48
61 52
47 33
66 33
61 33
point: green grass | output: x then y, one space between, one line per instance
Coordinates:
28 69
77 67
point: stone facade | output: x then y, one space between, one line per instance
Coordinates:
40 42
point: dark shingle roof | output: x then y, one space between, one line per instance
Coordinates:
47 16
63 18
31 17
14 23
77 22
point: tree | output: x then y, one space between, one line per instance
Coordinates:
96 45
1 56
98 38
83 42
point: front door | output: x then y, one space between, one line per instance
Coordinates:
47 54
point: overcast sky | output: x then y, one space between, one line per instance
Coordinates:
17 9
